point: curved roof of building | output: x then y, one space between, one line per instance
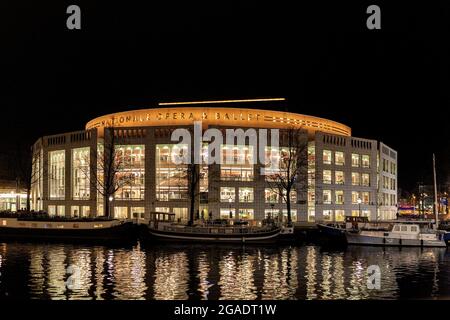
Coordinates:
217 116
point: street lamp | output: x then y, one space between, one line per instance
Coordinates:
111 198
359 205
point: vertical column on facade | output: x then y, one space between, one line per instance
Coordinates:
150 172
93 151
68 177
45 176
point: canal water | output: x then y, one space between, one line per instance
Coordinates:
62 271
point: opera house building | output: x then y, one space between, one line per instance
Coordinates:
344 175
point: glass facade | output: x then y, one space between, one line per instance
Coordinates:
246 195
80 173
171 178
57 174
227 194
237 163
327 157
131 160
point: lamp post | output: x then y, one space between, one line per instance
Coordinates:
359 205
111 198
231 212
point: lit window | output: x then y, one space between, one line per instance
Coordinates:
356 178
340 215
366 197
365 161
339 176
339 196
271 196
246 195
57 174
293 215
365 179
355 197
227 194
339 159
246 214
237 163
327 196
80 173
355 160
327 176
227 213
120 212
131 174
171 178
327 157
327 215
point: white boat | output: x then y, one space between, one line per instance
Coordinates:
401 234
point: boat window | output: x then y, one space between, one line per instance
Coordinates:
4 222
414 228
396 228
404 228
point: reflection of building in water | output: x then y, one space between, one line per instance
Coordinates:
203 271
56 273
237 277
325 285
311 273
37 271
338 277
280 275
80 278
171 280
98 255
129 274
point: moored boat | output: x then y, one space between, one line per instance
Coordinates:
162 227
62 229
401 234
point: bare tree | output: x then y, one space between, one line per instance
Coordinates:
193 173
290 167
106 171
28 169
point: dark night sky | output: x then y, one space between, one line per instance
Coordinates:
391 85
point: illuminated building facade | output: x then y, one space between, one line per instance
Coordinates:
341 169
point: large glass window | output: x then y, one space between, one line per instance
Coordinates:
171 178
293 196
246 195
227 213
356 178
327 196
327 215
271 213
365 179
365 161
366 197
339 196
327 176
246 214
121 212
80 173
355 197
355 160
339 158
339 177
137 212
271 196
237 163
181 214
227 194
132 172
340 215
293 215
327 157
57 176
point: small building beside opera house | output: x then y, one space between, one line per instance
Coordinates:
344 175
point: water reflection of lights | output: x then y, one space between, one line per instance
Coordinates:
311 272
236 277
171 277
203 271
